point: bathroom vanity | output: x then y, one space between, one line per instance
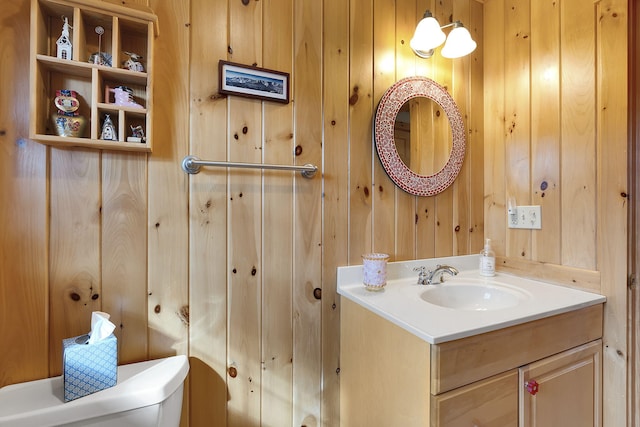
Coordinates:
502 351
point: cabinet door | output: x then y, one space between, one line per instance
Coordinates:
488 403
568 389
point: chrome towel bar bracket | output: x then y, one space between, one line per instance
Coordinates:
192 165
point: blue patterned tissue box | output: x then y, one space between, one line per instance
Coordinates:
88 368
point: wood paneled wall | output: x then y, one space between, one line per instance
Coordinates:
556 136
264 245
236 268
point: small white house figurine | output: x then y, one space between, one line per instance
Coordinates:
109 132
64 44
133 63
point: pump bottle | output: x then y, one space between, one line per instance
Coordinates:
487 260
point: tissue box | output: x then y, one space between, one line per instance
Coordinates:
88 368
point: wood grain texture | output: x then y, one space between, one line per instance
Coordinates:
571 380
167 222
278 235
23 214
403 204
612 199
545 128
461 91
517 126
442 73
361 112
486 403
558 274
593 133
495 190
509 348
124 251
385 371
208 234
335 248
634 213
476 131
383 193
579 128
75 279
244 260
307 226
425 214
339 71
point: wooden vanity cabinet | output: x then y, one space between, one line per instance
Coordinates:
391 377
568 395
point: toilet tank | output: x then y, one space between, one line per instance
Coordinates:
145 391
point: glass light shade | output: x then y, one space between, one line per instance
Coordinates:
459 43
427 37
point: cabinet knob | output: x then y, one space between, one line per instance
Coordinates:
532 387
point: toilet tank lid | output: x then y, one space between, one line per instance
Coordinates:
40 403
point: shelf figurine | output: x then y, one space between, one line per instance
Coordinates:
123 96
100 57
65 48
133 63
109 132
67 121
137 134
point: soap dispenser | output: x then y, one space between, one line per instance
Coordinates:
487 260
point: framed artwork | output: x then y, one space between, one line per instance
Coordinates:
253 82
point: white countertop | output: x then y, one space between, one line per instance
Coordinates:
400 302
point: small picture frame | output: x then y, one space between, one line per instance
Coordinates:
253 82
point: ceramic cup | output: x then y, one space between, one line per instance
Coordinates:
68 125
374 267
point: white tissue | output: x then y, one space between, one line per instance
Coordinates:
101 327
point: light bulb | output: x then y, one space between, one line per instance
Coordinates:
427 37
459 43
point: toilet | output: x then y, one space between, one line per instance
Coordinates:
146 394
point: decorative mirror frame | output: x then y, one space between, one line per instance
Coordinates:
388 108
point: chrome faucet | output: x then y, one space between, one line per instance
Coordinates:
427 277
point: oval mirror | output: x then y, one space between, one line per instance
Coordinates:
419 136
422 135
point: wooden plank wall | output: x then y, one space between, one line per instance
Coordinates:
634 220
237 268
264 342
234 268
556 119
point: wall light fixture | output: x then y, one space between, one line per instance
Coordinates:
429 36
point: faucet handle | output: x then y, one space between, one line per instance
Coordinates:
422 274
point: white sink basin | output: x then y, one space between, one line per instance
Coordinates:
473 295
464 305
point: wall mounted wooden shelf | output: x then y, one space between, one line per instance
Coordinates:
124 30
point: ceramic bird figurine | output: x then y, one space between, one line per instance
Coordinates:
133 63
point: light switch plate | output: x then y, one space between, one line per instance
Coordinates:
526 217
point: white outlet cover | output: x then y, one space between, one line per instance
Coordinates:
526 217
